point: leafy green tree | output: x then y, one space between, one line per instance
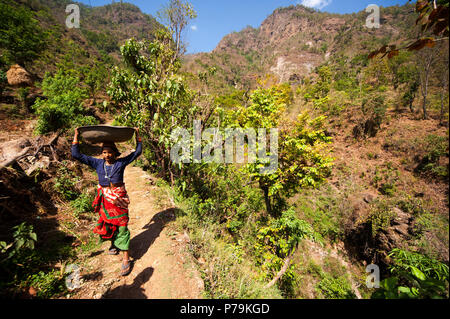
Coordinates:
152 96
303 146
277 242
410 92
63 107
398 69
21 37
96 78
321 88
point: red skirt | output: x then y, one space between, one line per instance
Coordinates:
112 206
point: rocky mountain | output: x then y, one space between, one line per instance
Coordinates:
294 40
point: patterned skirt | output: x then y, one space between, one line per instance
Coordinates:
112 206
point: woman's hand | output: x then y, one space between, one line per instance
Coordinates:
136 129
75 137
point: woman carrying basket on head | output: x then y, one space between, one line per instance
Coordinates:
112 200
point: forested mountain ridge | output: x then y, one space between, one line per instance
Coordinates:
294 40
102 30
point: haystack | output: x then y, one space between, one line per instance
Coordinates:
18 76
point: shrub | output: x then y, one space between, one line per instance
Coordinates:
335 288
276 242
65 183
415 276
3 82
380 217
48 284
82 204
435 148
64 104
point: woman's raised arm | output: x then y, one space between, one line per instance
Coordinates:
76 154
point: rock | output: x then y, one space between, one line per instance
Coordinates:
43 163
402 229
18 76
368 197
98 296
401 217
9 150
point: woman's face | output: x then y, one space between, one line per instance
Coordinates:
108 154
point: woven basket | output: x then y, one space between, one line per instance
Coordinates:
105 133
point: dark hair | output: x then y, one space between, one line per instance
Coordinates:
112 146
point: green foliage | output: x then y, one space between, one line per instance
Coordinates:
435 148
22 264
218 193
385 179
24 238
82 204
96 77
321 88
21 37
63 107
278 240
302 158
325 219
3 82
65 183
415 276
404 261
374 109
335 288
231 101
380 217
47 284
151 96
102 41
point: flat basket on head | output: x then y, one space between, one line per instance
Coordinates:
104 133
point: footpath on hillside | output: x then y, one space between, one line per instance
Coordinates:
161 267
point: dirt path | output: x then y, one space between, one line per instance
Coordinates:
161 268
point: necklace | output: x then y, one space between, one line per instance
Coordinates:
106 172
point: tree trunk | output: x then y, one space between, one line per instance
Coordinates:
265 189
424 107
281 272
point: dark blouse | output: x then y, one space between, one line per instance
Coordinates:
114 173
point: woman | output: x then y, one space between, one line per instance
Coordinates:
112 200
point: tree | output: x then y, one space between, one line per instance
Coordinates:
442 74
425 61
152 96
411 90
397 66
21 37
176 16
303 159
63 106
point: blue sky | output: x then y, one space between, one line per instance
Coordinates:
217 18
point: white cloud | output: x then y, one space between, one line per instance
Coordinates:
194 28
318 4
